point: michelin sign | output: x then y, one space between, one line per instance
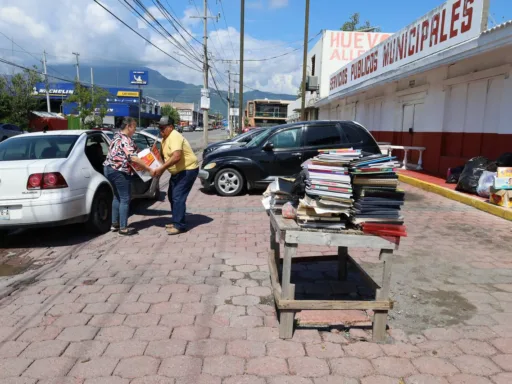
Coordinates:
139 77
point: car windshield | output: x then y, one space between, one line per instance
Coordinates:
37 147
259 139
250 134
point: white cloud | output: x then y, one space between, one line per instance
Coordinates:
84 27
278 3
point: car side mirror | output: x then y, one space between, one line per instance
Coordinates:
268 147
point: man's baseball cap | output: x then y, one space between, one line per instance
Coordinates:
165 121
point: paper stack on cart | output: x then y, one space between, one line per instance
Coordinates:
377 199
328 190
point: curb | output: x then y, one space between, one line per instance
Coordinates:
496 210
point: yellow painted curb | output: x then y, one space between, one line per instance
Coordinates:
496 210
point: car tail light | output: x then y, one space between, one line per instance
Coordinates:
34 181
51 180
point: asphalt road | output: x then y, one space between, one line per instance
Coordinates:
196 138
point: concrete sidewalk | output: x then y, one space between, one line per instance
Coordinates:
197 308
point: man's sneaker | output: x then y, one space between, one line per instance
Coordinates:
127 231
114 227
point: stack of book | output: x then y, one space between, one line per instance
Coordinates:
377 197
280 193
328 190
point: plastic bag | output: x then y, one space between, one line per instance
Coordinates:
505 160
289 211
453 174
485 183
470 176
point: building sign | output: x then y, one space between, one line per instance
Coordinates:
59 90
139 77
347 46
452 23
128 93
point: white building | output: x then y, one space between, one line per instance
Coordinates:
333 50
443 83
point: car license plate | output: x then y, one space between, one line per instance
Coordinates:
4 213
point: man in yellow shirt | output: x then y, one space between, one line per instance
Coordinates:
180 160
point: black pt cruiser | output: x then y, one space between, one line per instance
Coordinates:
279 151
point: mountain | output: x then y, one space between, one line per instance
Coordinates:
159 87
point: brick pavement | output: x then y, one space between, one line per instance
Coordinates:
196 308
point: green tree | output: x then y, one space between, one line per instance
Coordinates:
17 99
169 110
353 25
91 104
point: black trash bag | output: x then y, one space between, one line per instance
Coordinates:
468 180
453 174
505 160
299 185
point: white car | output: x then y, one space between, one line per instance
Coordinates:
56 178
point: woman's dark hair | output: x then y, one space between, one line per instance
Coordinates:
127 121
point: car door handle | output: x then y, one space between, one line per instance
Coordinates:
296 154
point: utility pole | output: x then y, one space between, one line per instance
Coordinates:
78 81
46 83
304 64
77 66
205 70
241 92
231 102
205 64
92 85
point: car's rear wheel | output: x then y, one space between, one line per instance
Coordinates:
229 182
100 218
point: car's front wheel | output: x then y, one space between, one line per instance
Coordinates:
100 218
229 182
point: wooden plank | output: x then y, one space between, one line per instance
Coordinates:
274 277
342 263
337 240
274 246
286 317
380 318
379 326
335 304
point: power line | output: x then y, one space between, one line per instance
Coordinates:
193 52
278 56
174 43
148 41
227 28
24 50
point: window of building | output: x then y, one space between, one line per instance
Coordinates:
319 135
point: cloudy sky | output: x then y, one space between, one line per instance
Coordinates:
273 28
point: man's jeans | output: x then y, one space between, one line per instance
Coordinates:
179 188
121 183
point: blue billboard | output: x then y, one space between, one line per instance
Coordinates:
139 77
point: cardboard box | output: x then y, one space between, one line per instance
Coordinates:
152 159
503 198
504 172
503 183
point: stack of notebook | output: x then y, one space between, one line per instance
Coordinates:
377 198
328 190
280 193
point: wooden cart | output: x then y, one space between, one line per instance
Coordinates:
289 232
